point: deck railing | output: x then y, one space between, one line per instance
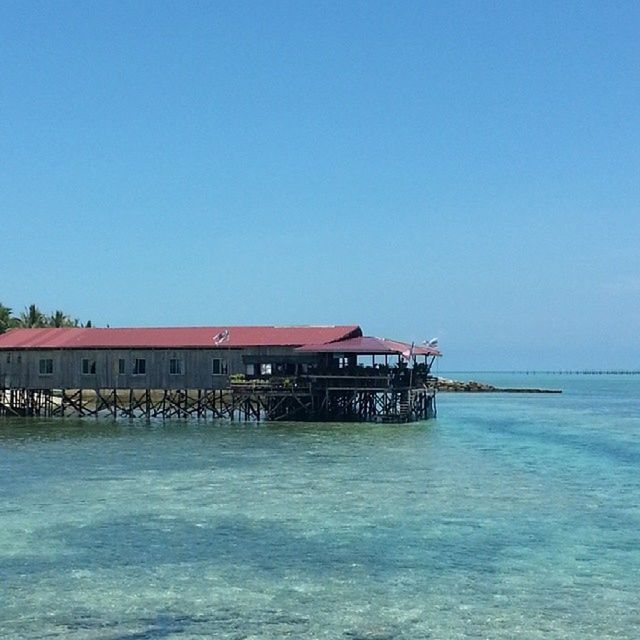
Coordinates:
369 378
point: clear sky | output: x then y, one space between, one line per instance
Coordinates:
462 170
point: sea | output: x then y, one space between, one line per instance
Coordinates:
508 516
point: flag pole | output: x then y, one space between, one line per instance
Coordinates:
411 356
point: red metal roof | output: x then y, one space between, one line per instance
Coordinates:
366 345
173 337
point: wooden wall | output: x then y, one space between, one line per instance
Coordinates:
20 368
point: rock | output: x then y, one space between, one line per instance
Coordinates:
472 386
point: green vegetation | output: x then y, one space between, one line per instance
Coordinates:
33 317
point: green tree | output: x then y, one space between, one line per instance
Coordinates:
60 319
6 319
32 317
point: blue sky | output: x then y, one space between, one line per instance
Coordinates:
462 170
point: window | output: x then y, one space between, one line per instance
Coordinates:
219 367
19 359
121 366
265 369
45 366
8 358
175 367
343 362
139 367
88 367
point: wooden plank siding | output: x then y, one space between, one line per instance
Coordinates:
20 368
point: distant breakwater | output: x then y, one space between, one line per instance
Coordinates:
561 372
471 386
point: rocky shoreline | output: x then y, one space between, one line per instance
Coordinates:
471 386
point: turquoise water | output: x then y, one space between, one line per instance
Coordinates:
508 516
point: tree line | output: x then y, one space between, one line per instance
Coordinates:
33 317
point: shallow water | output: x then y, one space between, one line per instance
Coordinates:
508 516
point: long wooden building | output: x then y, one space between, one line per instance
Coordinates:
243 372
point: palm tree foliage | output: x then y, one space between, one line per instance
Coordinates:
61 319
6 319
33 317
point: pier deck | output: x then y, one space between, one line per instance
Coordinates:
306 398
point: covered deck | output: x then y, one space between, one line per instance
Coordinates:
370 357
358 379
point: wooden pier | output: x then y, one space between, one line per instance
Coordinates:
27 402
307 398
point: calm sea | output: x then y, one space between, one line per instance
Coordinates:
510 516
